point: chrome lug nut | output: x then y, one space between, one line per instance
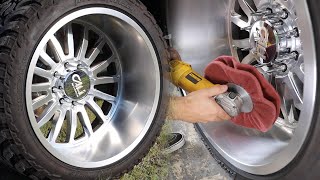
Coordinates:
289 34
65 100
62 101
80 66
75 103
281 67
261 13
58 75
69 66
285 14
293 55
278 24
296 32
56 90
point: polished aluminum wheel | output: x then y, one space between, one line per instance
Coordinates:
277 37
87 100
274 47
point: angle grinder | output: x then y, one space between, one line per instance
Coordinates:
235 101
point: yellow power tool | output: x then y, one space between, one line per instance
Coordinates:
235 101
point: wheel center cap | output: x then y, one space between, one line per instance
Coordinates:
264 40
77 85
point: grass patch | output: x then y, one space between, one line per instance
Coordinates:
155 165
45 129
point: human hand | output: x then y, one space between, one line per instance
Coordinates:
199 106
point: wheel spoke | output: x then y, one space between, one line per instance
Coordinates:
96 109
41 87
295 89
40 101
56 49
105 80
259 3
47 114
70 41
72 125
289 87
293 115
243 44
247 9
85 121
299 69
103 96
57 124
84 45
96 51
47 60
236 19
103 65
43 73
249 59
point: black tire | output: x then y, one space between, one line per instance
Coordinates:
306 164
23 24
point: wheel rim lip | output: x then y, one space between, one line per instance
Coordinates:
287 154
63 21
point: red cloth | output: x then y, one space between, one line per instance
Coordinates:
266 100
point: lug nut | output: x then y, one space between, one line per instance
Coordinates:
58 75
281 67
80 66
64 100
293 55
75 103
68 66
55 89
296 32
284 14
278 24
262 13
289 34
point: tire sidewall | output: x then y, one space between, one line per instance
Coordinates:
35 29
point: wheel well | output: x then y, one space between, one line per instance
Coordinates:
158 10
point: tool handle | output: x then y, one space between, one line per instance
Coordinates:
183 76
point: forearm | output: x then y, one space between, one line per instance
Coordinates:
176 108
182 108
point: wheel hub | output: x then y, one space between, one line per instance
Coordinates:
76 85
264 40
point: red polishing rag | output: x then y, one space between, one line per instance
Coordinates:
266 100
